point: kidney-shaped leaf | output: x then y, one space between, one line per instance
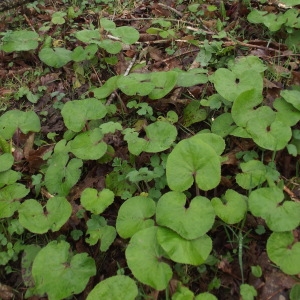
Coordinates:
56 57
183 251
96 201
13 119
233 210
134 215
89 145
164 82
38 219
58 273
190 220
280 216
77 112
192 159
119 287
9 198
143 258
283 251
213 140
292 97
128 35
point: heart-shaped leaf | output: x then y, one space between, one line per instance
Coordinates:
143 258
286 112
88 145
38 219
190 220
195 160
230 85
6 162
223 125
119 287
56 57
128 35
58 273
183 251
12 120
284 251
96 201
134 215
77 112
9 199
292 97
268 203
233 209
192 77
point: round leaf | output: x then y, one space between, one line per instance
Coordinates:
56 57
37 219
286 112
223 125
143 256
190 223
117 287
95 201
134 215
6 161
88 145
58 273
283 251
77 112
193 159
183 251
213 140
127 34
267 203
205 296
164 82
230 86
233 210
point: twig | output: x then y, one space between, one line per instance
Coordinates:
171 9
29 23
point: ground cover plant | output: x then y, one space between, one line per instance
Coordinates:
150 150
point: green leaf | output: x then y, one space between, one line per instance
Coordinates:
135 84
134 215
9 199
89 145
195 160
87 53
246 63
292 97
193 113
269 135
12 120
66 274
190 219
88 36
248 292
230 85
268 203
9 177
159 137
98 230
22 40
58 18
77 112
143 258
119 287
95 201
213 140
192 77
62 175
254 174
284 251
164 82
243 108
107 88
205 296
192 252
56 57
6 162
38 219
223 125
286 112
233 210
107 24
295 292
128 35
